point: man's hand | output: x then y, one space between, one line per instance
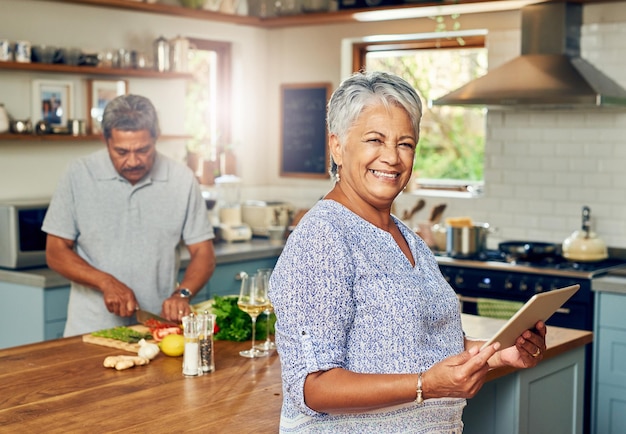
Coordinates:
175 308
119 298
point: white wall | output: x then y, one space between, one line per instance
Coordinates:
540 167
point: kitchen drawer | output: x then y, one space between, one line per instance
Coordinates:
611 310
612 351
611 410
55 303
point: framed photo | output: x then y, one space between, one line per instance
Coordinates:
99 93
52 101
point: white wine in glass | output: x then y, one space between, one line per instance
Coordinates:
268 344
253 300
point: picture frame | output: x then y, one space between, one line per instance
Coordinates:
53 101
303 142
99 94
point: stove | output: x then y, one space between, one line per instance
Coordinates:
492 277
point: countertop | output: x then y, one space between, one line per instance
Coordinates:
613 282
257 248
61 386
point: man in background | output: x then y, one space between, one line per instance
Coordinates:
115 223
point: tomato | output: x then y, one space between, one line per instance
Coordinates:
159 333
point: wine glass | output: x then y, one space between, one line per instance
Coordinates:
268 345
253 300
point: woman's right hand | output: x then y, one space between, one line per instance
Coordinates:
458 376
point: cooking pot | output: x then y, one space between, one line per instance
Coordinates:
467 241
584 245
530 251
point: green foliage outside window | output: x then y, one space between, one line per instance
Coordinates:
452 139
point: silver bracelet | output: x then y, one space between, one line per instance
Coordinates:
419 398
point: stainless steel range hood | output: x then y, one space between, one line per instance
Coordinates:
550 74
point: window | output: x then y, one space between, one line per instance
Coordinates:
207 104
450 153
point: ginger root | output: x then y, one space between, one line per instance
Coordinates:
124 362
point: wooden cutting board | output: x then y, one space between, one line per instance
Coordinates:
113 343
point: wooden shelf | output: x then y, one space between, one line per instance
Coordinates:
91 70
302 19
69 138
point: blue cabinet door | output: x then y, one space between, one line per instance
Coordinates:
226 277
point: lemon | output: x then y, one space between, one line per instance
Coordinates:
173 345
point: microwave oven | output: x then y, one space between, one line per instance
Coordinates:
23 243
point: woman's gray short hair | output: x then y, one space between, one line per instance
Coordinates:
130 113
364 89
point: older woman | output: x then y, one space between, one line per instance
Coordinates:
368 330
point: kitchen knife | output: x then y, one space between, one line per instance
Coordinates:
144 315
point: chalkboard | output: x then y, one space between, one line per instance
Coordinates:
304 149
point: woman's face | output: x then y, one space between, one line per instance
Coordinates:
376 159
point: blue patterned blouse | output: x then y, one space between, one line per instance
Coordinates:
346 296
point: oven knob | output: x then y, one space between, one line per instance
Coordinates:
538 287
458 280
508 284
523 286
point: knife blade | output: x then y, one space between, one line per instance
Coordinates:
143 316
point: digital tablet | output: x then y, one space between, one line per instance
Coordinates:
540 307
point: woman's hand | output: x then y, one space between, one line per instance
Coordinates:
528 350
459 376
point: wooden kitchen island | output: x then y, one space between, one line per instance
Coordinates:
61 386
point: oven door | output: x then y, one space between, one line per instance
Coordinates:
570 315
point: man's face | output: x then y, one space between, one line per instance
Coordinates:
132 153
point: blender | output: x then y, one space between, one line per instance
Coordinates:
229 209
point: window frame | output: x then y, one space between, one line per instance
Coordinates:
449 40
224 77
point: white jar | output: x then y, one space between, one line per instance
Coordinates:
4 119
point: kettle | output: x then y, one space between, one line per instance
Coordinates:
584 245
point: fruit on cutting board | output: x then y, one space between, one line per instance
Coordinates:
173 345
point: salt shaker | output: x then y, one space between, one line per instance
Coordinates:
191 356
207 324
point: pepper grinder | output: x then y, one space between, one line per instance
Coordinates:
207 325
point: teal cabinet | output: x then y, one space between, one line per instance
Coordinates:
609 376
30 314
545 399
226 277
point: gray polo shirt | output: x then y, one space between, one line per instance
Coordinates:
130 231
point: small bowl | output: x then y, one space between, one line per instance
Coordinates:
44 53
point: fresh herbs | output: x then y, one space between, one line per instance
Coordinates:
124 334
234 324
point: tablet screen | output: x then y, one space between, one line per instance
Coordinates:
540 307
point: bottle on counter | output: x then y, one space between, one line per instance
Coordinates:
207 324
191 356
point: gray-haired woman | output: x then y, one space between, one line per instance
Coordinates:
368 330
